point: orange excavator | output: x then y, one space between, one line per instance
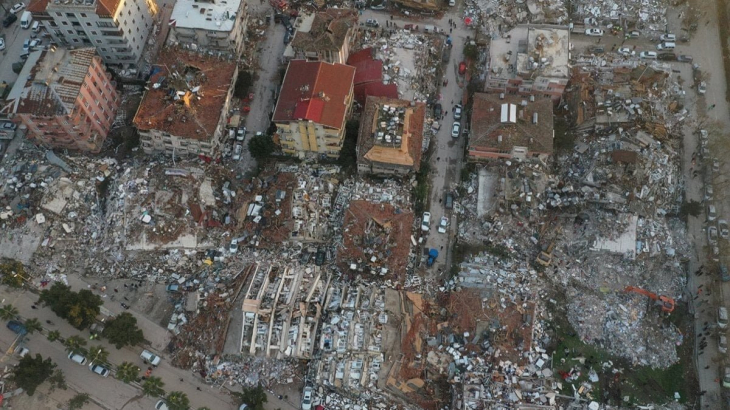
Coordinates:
665 302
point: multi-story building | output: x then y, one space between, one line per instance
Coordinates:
314 104
530 60
324 36
117 28
216 25
68 99
184 111
390 140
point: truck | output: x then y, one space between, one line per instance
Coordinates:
432 255
26 19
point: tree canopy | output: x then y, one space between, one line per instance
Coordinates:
31 372
123 331
261 146
177 400
12 272
78 308
254 397
128 372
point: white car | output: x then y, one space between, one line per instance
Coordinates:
100 370
702 88
307 396
237 152
21 351
722 226
233 247
709 193
712 235
444 223
457 112
594 32
77 358
241 134
426 222
668 37
626 51
2 44
16 8
161 405
149 357
456 129
648 55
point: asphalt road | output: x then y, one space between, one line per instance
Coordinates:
14 38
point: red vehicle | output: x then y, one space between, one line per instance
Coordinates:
462 68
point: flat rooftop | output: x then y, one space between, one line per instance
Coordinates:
531 49
186 94
217 15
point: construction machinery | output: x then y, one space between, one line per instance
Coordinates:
665 302
432 255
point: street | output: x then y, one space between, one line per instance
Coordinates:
14 38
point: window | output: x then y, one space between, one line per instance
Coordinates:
93 33
83 15
102 49
88 24
99 42
76 40
129 30
70 31
70 15
59 14
129 12
64 23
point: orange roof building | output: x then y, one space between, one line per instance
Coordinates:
314 104
184 111
118 29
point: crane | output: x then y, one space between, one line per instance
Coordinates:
666 303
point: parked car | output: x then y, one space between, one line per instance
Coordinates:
426 222
723 228
724 273
10 19
26 45
161 405
685 58
237 150
173 287
100 370
711 212
634 34
711 235
722 317
702 88
17 7
149 357
722 344
709 193
443 224
307 396
455 129
437 111
241 134
17 327
2 43
449 202
77 358
233 247
648 55
668 37
21 351
626 51
380 6
594 32
372 23
715 165
457 112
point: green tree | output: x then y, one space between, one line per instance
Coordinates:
261 146
78 308
76 345
53 335
98 354
244 81
33 325
128 372
58 380
123 331
78 401
12 272
254 397
8 312
177 400
471 51
153 387
31 372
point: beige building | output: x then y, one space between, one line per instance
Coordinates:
390 140
68 99
314 104
216 25
324 36
184 111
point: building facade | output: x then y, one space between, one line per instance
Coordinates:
68 101
216 25
118 29
313 107
184 111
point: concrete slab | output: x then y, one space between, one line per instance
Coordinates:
485 195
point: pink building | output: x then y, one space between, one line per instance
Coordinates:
68 100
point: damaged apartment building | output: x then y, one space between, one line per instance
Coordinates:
324 36
215 25
530 60
390 137
183 111
67 100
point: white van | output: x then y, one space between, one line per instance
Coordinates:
666 45
149 357
36 27
26 19
722 317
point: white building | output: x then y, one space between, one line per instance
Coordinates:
218 25
117 28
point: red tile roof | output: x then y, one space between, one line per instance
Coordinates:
310 109
366 54
329 84
362 91
106 7
368 71
37 6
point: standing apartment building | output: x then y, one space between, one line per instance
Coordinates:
313 107
68 99
215 25
118 29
